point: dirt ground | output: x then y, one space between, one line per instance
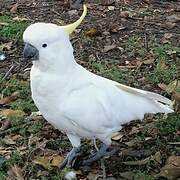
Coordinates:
123 40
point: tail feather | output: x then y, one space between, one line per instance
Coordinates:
164 104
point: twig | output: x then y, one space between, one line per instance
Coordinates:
146 42
9 71
103 169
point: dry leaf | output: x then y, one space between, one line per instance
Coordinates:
111 8
127 175
15 173
10 113
92 32
9 99
172 168
157 157
169 25
173 18
8 141
6 46
14 8
117 136
108 48
5 124
137 163
57 160
171 87
43 161
20 19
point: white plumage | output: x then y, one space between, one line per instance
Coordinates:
76 101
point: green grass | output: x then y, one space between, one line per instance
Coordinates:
169 125
12 28
24 101
110 72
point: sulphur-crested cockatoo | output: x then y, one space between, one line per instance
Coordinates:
76 101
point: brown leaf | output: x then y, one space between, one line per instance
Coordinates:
92 32
117 136
109 48
5 124
20 19
171 87
10 113
14 8
9 99
128 175
57 160
6 46
172 168
173 18
8 141
169 25
137 163
15 173
42 161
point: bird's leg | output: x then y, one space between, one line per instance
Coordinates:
103 151
75 152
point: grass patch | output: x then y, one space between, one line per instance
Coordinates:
110 72
12 28
170 125
166 69
24 101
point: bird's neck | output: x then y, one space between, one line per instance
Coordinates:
61 64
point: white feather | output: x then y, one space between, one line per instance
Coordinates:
77 101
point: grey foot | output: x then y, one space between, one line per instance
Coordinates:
68 161
103 151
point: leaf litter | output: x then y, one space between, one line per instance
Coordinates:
108 28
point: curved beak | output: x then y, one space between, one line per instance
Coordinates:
71 27
30 52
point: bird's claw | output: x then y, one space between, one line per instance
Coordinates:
103 151
70 158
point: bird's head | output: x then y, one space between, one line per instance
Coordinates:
45 42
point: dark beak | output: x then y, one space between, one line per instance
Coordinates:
30 52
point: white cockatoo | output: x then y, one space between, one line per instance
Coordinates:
76 101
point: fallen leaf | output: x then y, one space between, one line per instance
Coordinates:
109 48
20 19
169 25
172 168
6 46
171 87
14 8
127 175
5 124
9 99
57 160
137 163
10 113
173 18
126 14
8 141
92 32
157 157
15 173
43 161
111 8
117 136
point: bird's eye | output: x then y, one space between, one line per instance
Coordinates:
44 45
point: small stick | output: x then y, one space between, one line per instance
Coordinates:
9 71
